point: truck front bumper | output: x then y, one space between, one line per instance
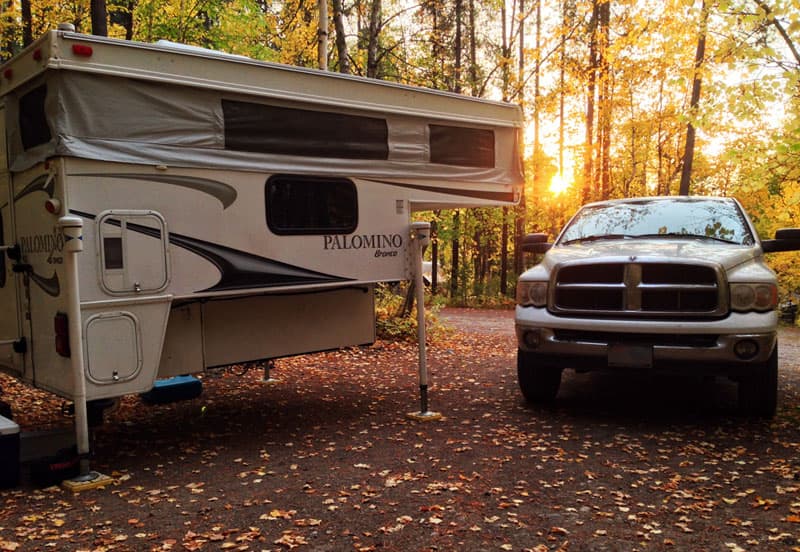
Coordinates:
737 340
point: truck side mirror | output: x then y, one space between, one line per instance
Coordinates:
786 239
787 234
536 243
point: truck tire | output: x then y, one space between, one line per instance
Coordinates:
758 392
538 379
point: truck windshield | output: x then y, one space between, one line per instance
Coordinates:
688 218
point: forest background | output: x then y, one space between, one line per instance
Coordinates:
622 98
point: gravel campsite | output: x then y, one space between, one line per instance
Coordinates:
327 459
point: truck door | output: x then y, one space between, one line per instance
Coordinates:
10 320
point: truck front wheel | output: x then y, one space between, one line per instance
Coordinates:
539 379
758 391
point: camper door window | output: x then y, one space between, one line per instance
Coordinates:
303 205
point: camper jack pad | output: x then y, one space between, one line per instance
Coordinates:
92 480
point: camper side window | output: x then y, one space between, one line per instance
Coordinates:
468 147
32 118
300 205
262 128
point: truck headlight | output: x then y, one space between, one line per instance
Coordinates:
754 297
532 294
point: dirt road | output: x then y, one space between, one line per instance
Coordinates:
328 460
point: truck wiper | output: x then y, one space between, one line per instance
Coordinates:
598 237
687 236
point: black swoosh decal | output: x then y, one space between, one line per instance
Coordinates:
42 183
494 196
238 270
50 285
224 193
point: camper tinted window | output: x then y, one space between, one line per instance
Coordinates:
32 119
271 129
309 205
470 147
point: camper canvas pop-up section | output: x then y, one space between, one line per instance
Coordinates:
166 210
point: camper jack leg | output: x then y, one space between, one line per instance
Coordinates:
72 227
269 365
420 236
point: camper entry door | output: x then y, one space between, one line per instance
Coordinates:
10 321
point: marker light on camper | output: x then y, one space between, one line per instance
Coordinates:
61 327
82 50
37 54
8 73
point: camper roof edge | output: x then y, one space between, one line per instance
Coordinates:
238 75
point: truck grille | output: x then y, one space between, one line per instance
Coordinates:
638 289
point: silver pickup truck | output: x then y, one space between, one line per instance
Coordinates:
666 283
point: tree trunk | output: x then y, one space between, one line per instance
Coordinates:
341 44
357 8
121 13
457 48
632 145
436 49
660 144
372 44
688 154
781 31
27 22
588 154
435 253
99 17
504 253
505 79
476 259
454 264
562 63
322 34
536 100
519 223
605 100
473 52
455 86
408 301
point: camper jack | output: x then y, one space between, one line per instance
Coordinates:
166 210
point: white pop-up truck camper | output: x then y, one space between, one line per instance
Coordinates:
165 210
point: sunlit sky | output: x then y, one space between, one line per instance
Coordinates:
725 126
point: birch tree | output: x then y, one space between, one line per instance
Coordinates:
694 104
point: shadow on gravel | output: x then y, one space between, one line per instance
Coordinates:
653 399
231 420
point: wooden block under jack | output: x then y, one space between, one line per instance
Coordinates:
94 480
426 416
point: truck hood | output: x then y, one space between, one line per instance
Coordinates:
728 256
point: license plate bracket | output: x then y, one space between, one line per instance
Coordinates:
630 356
